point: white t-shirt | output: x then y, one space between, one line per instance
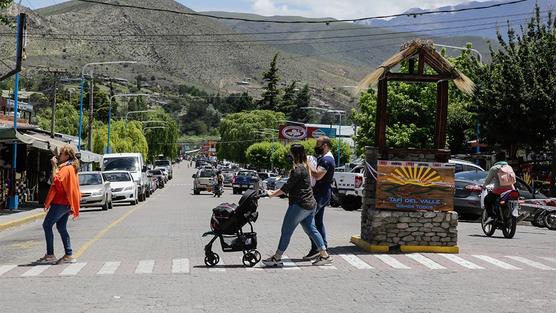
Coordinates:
312 161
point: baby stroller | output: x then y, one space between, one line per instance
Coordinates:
227 222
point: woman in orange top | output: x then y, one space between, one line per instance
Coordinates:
63 198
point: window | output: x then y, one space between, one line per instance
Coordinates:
117 177
206 174
121 164
162 163
90 179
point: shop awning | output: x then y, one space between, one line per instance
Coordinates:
45 142
10 135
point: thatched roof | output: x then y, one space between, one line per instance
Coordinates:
430 56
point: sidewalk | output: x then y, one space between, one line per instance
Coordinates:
9 219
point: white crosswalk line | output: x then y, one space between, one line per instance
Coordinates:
531 263
544 258
145 267
6 268
355 261
73 269
392 262
180 266
219 267
460 261
496 262
258 267
426 261
289 264
36 270
328 267
109 268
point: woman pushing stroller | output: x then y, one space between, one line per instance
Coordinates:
301 209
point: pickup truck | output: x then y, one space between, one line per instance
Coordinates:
348 188
203 180
243 180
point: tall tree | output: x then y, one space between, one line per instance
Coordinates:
288 103
302 100
271 92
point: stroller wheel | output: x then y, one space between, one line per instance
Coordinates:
249 259
212 259
257 255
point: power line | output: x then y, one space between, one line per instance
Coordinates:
328 21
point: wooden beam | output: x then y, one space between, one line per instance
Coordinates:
417 77
421 69
381 113
441 123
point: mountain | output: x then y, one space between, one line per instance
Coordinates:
466 23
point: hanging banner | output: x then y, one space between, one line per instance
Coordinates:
413 186
292 132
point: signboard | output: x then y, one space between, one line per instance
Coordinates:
292 132
315 132
412 186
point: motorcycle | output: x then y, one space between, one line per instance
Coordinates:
217 190
506 214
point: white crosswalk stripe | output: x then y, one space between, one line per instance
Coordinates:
392 262
531 263
36 270
460 261
496 262
355 261
73 269
6 268
180 266
426 261
544 258
289 264
219 267
145 267
109 268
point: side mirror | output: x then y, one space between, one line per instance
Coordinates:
194 176
144 170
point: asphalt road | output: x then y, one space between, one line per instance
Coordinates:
149 258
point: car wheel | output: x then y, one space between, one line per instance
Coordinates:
351 203
196 191
550 220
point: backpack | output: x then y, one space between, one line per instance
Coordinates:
506 176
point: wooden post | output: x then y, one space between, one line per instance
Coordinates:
381 113
411 66
441 123
421 65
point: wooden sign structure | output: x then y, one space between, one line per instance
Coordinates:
414 186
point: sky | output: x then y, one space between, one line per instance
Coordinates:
340 9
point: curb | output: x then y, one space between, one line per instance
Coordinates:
356 240
21 221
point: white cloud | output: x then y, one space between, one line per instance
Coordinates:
343 9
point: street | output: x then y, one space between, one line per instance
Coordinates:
149 258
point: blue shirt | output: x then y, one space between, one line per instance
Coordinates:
323 188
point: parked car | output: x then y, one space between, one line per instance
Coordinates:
467 198
165 164
203 180
228 177
464 166
124 188
243 180
159 176
348 188
131 162
153 186
95 190
164 172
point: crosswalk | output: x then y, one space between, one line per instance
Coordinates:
342 262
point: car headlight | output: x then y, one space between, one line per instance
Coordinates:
97 193
129 188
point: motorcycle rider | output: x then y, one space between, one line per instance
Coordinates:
219 185
503 177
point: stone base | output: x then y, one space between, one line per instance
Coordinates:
399 228
405 249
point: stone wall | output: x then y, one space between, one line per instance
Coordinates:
390 227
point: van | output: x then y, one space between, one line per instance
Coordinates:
165 164
133 163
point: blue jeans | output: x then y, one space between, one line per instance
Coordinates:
57 214
319 221
296 215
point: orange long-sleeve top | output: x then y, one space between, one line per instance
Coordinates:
65 189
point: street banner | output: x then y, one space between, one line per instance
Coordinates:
413 186
292 132
315 132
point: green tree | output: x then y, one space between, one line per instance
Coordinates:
288 103
123 138
302 100
271 94
4 4
239 130
515 95
162 140
260 154
67 118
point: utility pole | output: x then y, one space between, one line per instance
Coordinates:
91 108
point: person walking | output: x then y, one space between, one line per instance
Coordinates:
323 173
301 209
62 200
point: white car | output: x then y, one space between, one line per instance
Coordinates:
124 188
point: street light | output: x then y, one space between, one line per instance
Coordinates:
124 95
462 49
82 89
339 113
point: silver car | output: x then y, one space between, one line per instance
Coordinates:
95 190
124 189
